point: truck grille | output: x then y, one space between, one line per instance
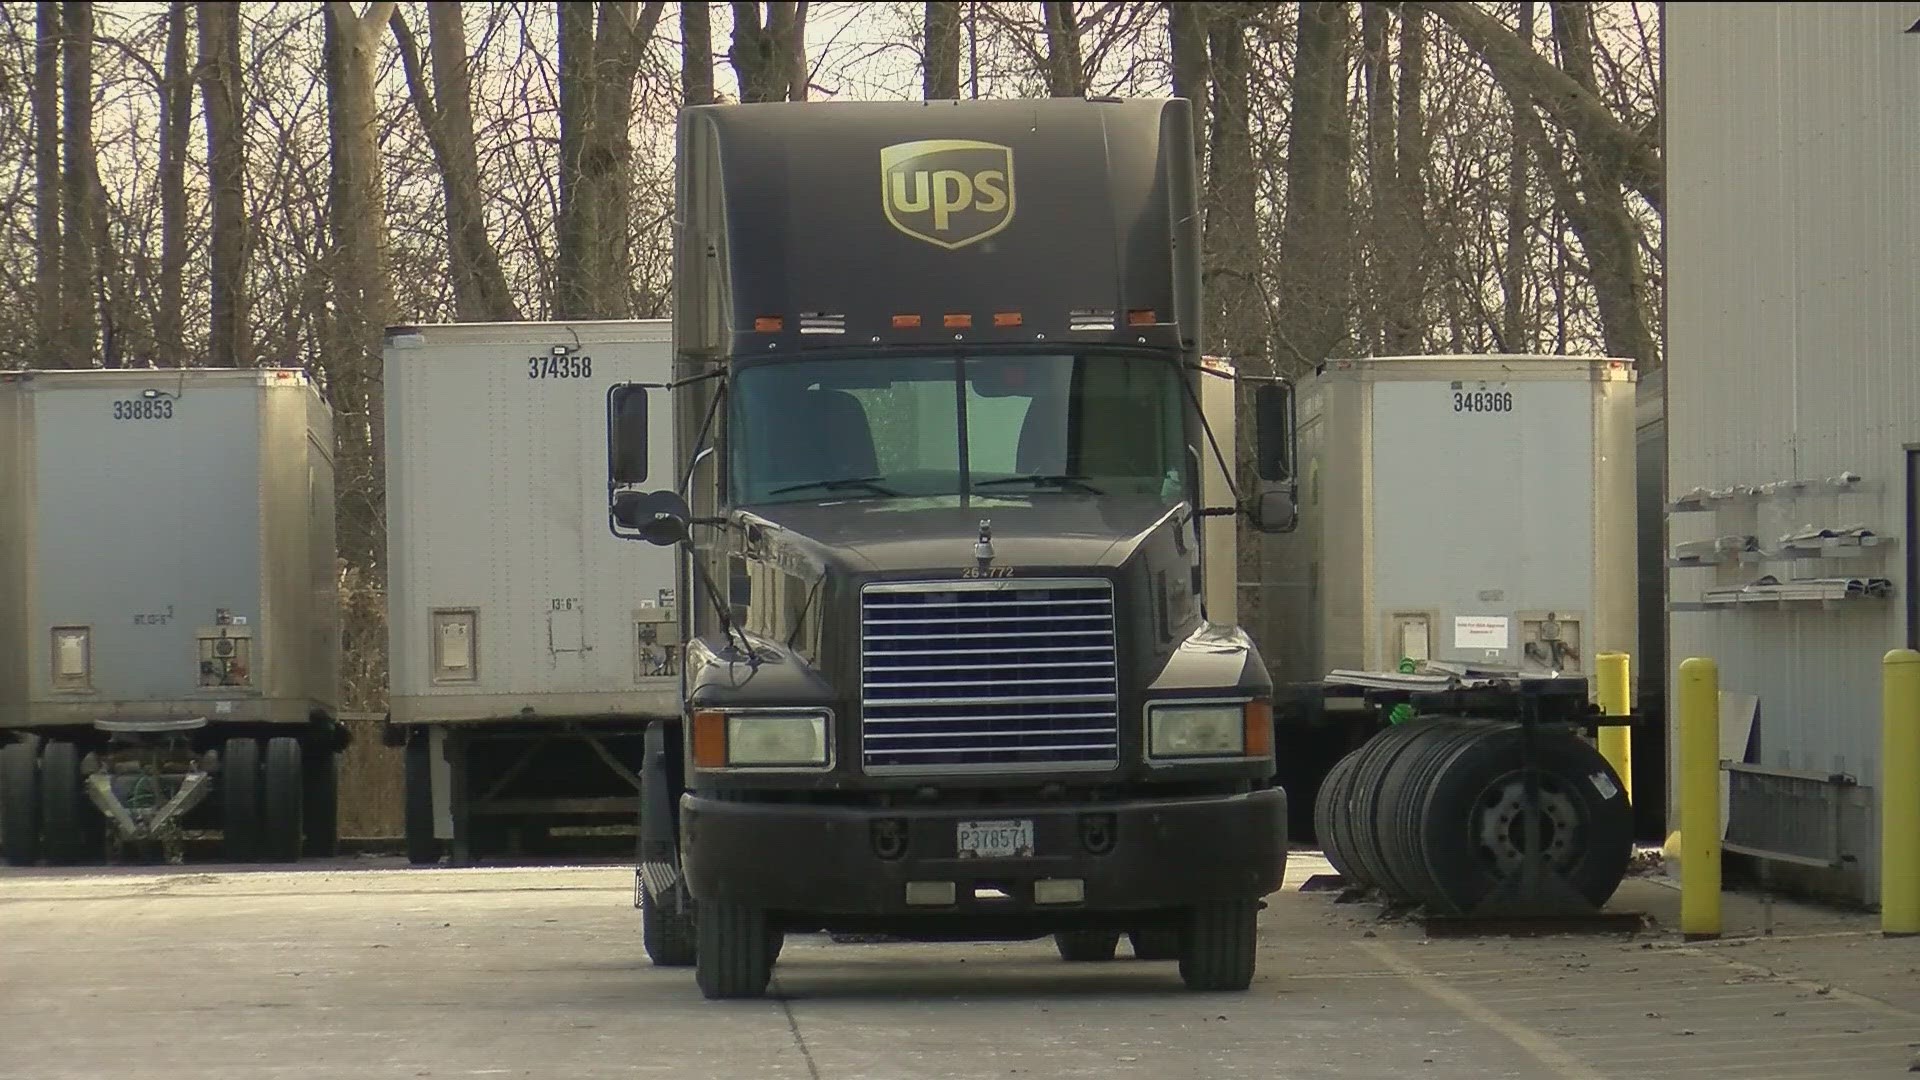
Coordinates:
961 676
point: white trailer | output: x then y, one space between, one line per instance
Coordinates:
529 646
169 644
1456 512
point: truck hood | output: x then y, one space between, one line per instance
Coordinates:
938 535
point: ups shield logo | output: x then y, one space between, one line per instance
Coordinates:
948 192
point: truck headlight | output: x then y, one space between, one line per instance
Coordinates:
1211 730
760 740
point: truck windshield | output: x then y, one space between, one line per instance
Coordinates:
817 430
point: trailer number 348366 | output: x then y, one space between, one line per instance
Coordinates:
1483 401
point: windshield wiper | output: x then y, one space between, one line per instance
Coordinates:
1063 480
871 484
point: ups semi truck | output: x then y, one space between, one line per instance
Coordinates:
951 483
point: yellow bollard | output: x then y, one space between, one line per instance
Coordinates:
1699 779
1900 793
1616 693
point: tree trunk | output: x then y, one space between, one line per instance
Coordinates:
1065 77
790 43
696 53
480 292
229 340
1315 264
1239 315
1513 276
176 116
1406 333
50 315
362 290
1382 233
1187 30
1603 225
77 246
940 68
598 66
761 65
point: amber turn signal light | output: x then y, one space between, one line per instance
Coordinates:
710 740
1259 733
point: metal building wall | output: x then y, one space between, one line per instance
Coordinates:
1793 233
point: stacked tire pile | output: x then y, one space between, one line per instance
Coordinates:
1432 813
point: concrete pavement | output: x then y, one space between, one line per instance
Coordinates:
369 969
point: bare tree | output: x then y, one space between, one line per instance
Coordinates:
769 55
598 65
1187 33
360 285
1066 71
1572 105
229 339
1518 252
1314 272
176 115
696 52
48 273
480 291
1599 214
940 55
77 190
1406 315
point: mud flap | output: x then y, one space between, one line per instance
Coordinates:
659 813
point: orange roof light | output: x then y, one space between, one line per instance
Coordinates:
958 322
768 324
906 322
1141 317
1006 318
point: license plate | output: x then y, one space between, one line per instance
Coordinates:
995 839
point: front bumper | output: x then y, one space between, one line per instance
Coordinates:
822 860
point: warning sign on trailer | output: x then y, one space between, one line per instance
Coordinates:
1479 632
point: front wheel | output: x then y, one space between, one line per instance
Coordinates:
735 954
1217 947
1086 946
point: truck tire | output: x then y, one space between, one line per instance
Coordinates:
422 848
240 799
69 825
1154 944
282 801
1086 946
1217 947
734 958
322 811
20 803
670 936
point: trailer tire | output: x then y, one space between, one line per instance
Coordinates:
1154 944
671 937
282 801
734 958
68 823
422 848
240 799
1086 946
20 803
322 811
1330 813
1217 947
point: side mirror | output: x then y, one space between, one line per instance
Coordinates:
1276 506
658 517
626 435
